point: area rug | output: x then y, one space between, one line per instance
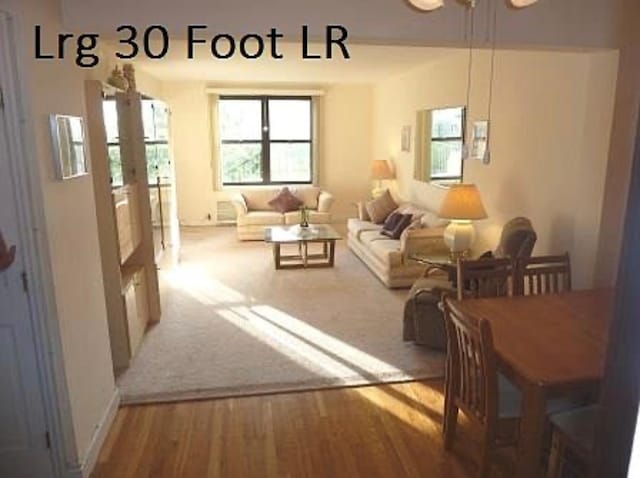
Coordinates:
232 325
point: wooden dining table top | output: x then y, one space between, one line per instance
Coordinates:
549 340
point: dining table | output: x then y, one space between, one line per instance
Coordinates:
549 346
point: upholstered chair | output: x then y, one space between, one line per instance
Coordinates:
423 318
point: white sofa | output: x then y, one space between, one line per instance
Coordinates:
254 213
388 258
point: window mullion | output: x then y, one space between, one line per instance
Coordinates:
266 150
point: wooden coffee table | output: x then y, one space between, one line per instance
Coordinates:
320 233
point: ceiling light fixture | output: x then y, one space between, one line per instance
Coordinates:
430 5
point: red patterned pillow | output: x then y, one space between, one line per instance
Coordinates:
285 201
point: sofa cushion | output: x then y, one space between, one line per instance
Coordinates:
388 251
315 217
356 226
261 218
308 196
258 199
380 207
431 219
285 201
367 237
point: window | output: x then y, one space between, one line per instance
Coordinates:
265 140
155 120
447 133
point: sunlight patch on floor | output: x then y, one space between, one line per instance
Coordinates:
305 345
196 282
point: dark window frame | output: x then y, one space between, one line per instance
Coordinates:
452 139
265 141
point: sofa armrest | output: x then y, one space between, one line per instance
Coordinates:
427 240
240 204
325 200
363 215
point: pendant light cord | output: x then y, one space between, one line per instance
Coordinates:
470 66
493 59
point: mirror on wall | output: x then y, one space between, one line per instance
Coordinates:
67 133
439 145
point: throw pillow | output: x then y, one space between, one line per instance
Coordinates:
380 207
285 201
391 221
403 223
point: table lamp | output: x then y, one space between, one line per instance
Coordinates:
380 170
461 205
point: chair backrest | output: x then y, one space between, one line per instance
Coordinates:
543 275
484 278
517 239
472 376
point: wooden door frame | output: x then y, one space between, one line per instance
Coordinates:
23 162
621 388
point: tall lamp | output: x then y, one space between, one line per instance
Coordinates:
380 170
461 205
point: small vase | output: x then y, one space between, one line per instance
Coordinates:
304 217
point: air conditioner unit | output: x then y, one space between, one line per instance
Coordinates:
225 213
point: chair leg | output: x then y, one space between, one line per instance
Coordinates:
556 457
450 424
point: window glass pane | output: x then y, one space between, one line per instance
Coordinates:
447 123
290 119
115 165
291 162
110 120
155 120
446 159
241 163
158 164
240 119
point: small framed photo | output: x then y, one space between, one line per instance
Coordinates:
67 136
405 144
480 141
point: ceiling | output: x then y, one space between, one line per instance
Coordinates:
368 64
548 23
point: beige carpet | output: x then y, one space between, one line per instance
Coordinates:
232 325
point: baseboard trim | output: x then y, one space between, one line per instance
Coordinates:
100 435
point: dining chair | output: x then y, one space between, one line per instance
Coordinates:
543 275
572 442
484 278
473 386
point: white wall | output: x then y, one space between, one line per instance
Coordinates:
550 131
56 87
344 149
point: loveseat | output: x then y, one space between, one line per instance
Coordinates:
254 213
389 258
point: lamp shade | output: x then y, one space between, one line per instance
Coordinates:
427 5
522 3
463 202
380 170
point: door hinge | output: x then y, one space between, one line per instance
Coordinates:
25 282
47 439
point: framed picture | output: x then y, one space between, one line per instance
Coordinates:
405 144
480 140
67 135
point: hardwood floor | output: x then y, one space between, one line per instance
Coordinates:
375 431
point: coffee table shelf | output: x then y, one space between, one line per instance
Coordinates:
302 237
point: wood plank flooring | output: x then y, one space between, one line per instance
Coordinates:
374 431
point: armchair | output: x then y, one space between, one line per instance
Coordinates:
423 319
